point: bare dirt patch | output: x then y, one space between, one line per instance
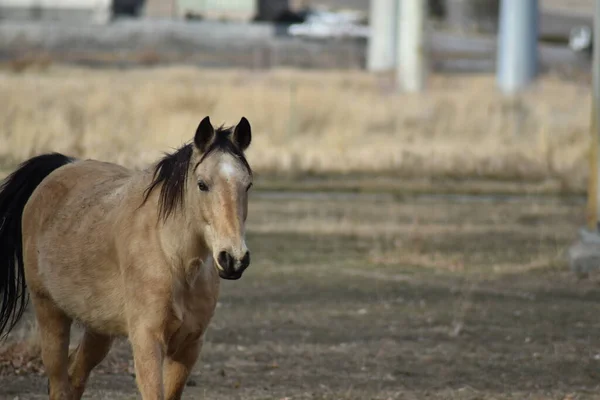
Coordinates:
368 297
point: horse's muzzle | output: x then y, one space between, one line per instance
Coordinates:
230 268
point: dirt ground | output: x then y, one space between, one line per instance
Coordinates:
375 297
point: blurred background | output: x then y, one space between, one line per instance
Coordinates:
422 168
143 72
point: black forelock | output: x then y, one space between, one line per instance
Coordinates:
172 170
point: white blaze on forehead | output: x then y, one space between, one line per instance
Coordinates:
228 168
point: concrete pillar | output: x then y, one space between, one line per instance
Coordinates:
517 63
381 52
413 46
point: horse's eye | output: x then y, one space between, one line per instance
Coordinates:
202 186
249 186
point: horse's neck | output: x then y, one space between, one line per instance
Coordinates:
180 239
182 242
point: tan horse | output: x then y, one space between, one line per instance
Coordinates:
125 253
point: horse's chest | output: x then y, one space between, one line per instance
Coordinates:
194 300
191 319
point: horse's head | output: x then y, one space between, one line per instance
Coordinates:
221 178
210 178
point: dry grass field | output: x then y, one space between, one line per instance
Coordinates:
304 122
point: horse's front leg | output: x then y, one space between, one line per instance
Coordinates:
90 352
148 354
177 368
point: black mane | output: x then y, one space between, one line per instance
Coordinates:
172 170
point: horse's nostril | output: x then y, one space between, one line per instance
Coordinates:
225 260
245 260
232 266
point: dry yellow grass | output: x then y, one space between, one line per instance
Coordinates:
312 122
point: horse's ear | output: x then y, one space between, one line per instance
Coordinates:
242 134
205 134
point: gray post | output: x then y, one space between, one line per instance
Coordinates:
517 44
596 106
584 255
413 52
382 39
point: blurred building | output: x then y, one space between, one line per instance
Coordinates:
270 10
359 5
56 10
478 14
160 8
104 10
235 10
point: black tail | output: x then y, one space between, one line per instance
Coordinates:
14 194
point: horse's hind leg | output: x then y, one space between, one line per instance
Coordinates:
90 352
54 328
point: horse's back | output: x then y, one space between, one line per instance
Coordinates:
69 242
71 193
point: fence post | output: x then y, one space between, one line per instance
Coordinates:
584 255
517 45
593 221
413 50
381 52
